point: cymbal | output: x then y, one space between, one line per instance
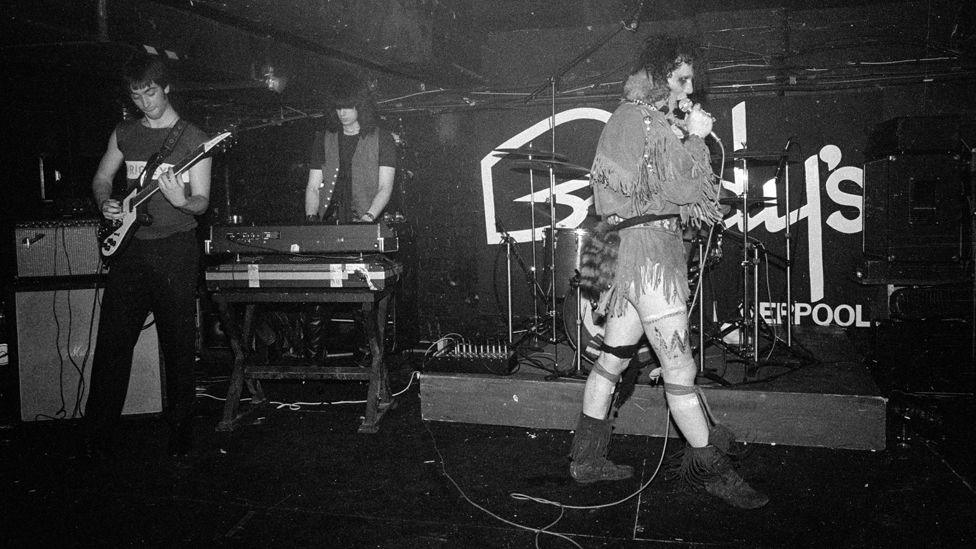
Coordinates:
757 157
531 153
559 169
737 200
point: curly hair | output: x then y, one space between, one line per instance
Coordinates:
659 57
352 93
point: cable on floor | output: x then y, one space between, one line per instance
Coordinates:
545 530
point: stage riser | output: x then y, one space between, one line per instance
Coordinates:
852 422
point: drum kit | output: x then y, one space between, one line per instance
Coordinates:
551 166
563 248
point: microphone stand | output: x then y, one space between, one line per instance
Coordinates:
552 84
785 166
787 258
535 268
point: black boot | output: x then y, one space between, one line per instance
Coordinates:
589 453
711 469
314 324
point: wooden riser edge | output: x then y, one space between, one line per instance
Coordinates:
852 422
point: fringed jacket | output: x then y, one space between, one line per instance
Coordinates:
642 167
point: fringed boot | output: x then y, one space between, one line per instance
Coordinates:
589 453
722 438
710 468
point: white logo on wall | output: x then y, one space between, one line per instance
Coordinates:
768 217
562 192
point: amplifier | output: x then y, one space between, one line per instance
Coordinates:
57 248
56 336
914 209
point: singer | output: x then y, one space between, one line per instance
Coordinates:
651 176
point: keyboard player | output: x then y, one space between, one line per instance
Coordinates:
350 179
352 163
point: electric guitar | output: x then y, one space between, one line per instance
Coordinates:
114 234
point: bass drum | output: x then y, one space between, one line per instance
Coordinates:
567 252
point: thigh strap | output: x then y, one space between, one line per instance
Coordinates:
678 389
623 351
602 372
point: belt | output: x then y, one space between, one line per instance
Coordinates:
641 219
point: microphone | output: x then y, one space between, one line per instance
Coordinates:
634 21
685 106
784 157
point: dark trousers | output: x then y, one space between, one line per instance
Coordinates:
157 275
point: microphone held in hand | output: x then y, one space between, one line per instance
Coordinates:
686 105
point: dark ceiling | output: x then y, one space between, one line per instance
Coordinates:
406 48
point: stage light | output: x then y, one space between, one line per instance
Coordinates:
274 82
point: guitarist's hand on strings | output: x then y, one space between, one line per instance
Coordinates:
111 209
172 188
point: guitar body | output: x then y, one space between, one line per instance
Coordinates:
113 235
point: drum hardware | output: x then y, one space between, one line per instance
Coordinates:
551 85
530 160
750 325
535 329
578 361
530 153
562 170
751 202
705 252
758 158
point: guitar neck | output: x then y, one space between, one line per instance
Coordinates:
149 188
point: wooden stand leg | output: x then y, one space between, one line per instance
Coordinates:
378 399
236 340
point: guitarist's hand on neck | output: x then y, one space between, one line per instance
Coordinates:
174 189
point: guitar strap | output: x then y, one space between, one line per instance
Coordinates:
172 138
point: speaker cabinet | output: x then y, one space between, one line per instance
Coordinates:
915 209
57 248
942 134
56 336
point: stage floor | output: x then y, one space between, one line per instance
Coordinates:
300 475
820 394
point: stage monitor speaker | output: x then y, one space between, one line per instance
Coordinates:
57 248
56 336
914 209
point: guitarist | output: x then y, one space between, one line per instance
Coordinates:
157 271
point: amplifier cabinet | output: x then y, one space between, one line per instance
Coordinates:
915 209
941 134
56 336
57 248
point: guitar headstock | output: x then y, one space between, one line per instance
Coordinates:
220 142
